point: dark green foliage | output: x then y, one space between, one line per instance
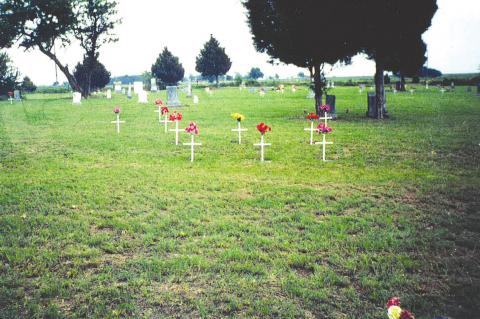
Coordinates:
255 74
8 75
91 76
386 79
167 68
212 60
28 86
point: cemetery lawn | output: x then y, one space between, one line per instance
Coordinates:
99 225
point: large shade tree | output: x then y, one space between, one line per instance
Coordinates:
391 35
8 74
212 60
306 33
91 77
167 68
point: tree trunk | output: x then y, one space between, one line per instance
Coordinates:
70 78
216 80
402 83
318 88
379 89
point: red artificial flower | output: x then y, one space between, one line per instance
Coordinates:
323 129
164 110
176 116
10 94
158 102
312 116
405 314
263 128
395 301
325 108
116 110
192 128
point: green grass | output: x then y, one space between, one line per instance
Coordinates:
99 225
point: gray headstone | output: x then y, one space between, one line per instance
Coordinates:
372 106
172 96
331 101
16 95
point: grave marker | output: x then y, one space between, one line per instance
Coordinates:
324 130
142 97
312 117
109 94
117 122
129 92
176 117
17 95
153 85
77 98
195 99
331 101
10 97
172 96
118 87
193 130
137 87
372 106
262 128
239 118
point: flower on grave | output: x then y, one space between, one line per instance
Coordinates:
263 128
394 312
325 108
238 117
324 129
116 110
312 116
164 110
395 301
176 116
406 315
10 94
192 128
158 102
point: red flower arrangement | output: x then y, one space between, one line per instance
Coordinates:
158 102
176 116
164 109
263 128
325 108
395 301
116 110
323 129
10 94
312 116
395 312
192 128
406 315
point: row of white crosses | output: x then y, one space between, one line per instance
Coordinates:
262 128
322 129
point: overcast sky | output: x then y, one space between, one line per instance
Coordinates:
185 25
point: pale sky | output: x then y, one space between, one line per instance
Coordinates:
185 25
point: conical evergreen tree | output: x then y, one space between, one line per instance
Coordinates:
167 68
212 60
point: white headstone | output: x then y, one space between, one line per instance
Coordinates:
109 94
195 99
137 87
129 92
124 91
118 87
142 97
189 90
16 95
77 98
153 85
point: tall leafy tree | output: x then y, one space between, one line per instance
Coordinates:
8 74
91 77
28 85
255 74
212 60
39 24
398 47
279 28
96 20
168 68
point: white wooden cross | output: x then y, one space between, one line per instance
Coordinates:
326 118
192 145
239 130
176 130
118 122
324 143
311 129
11 100
165 121
262 148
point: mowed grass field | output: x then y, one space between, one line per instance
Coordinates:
99 225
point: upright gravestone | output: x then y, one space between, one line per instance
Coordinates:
77 98
172 96
372 106
16 95
129 92
331 101
153 85
142 97
109 94
189 89
118 87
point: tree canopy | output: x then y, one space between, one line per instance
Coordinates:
168 68
27 85
8 74
255 74
212 60
90 76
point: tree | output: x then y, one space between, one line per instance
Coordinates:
301 75
28 86
238 79
279 28
39 24
212 60
167 68
95 21
255 74
8 74
92 77
396 48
